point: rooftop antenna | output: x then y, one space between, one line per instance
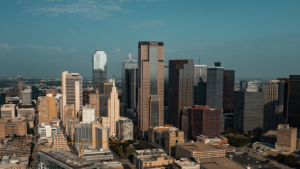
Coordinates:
129 56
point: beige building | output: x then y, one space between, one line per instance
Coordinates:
71 90
69 112
26 112
151 85
150 158
113 110
286 138
51 91
20 147
95 125
107 89
60 142
165 137
70 122
7 111
14 162
19 127
47 108
198 150
94 102
185 163
102 138
185 122
125 129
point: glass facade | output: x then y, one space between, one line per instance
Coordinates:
130 83
294 101
153 70
214 90
228 91
166 85
200 79
99 70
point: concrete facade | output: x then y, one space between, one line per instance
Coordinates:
46 108
16 125
124 129
113 110
88 114
7 111
94 102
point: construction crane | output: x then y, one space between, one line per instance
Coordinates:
81 144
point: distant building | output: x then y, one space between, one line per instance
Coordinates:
16 125
228 91
83 132
69 112
26 97
200 81
96 155
130 82
19 147
151 158
248 113
181 89
151 85
99 70
95 125
47 108
124 129
214 90
293 117
72 89
243 85
88 114
60 142
166 85
203 120
286 138
285 96
165 137
123 109
198 150
12 162
2 98
86 96
29 113
45 130
20 86
7 111
273 102
217 141
113 110
94 102
107 90
102 138
69 123
110 165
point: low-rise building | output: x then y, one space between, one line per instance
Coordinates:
14 162
88 114
18 147
147 153
125 129
162 162
185 163
26 112
217 141
198 150
16 125
69 123
60 142
110 165
165 137
91 154
7 111
46 130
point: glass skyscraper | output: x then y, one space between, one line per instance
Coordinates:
228 91
293 117
200 80
129 82
99 70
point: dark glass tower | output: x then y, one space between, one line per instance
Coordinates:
200 80
286 95
99 70
228 91
293 117
181 89
130 82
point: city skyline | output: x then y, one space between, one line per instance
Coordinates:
233 34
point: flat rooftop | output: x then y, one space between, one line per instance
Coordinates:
197 146
217 163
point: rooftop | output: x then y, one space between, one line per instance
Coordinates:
217 163
197 146
184 163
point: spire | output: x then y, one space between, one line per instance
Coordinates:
114 81
129 56
114 89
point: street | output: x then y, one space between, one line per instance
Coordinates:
125 162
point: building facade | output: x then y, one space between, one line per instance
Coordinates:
94 102
293 116
113 110
26 97
88 114
125 129
151 85
47 109
20 86
7 111
181 89
99 70
200 81
102 138
228 91
214 89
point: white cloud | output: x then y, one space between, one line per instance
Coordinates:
169 50
147 24
34 47
118 50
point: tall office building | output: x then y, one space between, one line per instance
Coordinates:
102 138
293 117
200 82
243 85
95 125
113 110
203 120
130 82
214 89
151 85
166 84
228 91
94 102
88 114
181 87
107 90
47 108
273 104
84 132
72 89
248 111
69 112
26 97
99 70
20 83
286 95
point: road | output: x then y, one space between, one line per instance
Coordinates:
125 162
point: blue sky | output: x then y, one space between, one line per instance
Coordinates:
43 38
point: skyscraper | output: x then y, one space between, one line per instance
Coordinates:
293 117
228 91
20 83
273 104
214 90
181 87
113 110
72 89
99 70
94 102
46 108
166 84
151 85
200 81
26 97
286 95
130 82
248 111
107 89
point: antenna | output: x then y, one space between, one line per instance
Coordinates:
129 56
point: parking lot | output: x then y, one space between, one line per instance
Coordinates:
245 159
